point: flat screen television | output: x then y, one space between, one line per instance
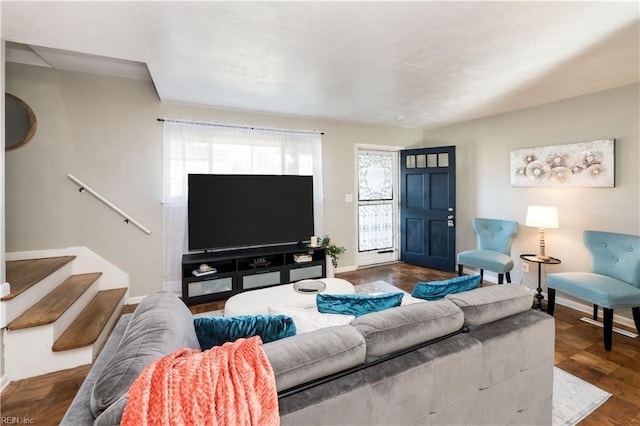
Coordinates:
237 211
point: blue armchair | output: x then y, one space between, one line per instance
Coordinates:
614 280
494 248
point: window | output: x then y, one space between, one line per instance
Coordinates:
225 149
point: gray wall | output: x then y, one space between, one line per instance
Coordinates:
483 187
104 131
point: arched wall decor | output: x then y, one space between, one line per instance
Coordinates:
20 122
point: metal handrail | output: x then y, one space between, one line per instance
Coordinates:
127 217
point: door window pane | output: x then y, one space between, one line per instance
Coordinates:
432 160
411 161
443 159
375 180
421 161
376 227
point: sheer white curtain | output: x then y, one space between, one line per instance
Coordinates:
225 149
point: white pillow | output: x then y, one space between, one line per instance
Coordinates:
308 320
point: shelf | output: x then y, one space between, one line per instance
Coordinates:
246 269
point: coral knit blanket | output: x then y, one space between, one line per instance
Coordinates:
232 384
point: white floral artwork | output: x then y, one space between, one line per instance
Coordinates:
583 164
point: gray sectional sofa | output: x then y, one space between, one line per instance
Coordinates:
479 357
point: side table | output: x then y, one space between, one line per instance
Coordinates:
533 258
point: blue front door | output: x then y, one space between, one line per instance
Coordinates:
427 207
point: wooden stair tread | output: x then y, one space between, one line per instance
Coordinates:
86 328
53 305
24 274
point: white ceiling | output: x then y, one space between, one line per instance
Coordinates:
433 62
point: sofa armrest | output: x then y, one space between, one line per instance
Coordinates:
79 412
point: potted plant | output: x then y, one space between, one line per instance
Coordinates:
333 251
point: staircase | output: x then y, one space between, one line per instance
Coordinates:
60 310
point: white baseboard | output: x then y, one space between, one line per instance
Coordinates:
4 382
616 329
135 300
492 277
588 309
346 269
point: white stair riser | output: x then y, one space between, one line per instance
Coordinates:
65 320
86 261
28 351
15 307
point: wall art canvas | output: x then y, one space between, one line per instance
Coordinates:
584 164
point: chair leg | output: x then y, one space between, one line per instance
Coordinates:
551 303
481 276
500 278
460 269
607 330
508 275
636 317
595 312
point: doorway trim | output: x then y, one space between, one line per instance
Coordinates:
364 260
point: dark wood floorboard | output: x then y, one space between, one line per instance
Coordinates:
579 350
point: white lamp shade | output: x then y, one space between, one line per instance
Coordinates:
542 217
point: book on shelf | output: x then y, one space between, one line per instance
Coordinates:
301 258
199 273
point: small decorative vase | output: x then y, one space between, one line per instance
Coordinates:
331 272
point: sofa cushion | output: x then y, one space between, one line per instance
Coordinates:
487 304
160 325
308 320
113 414
356 304
310 356
402 327
490 260
597 289
214 331
435 290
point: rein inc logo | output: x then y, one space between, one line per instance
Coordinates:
6 420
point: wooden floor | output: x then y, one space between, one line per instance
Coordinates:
43 400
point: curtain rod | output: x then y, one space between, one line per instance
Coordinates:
237 126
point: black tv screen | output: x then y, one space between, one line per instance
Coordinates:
232 211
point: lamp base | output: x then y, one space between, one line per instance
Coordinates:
541 255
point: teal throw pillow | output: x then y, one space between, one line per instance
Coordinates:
214 331
436 290
356 304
